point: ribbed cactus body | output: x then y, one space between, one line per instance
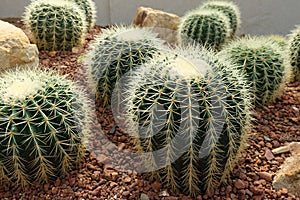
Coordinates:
294 52
89 8
264 64
55 25
116 52
191 113
43 117
209 28
231 11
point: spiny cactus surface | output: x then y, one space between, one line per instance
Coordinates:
209 28
89 8
190 111
43 118
116 52
263 63
230 9
55 25
294 52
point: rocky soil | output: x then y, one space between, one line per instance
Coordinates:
275 125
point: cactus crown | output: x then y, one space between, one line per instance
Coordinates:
208 27
189 111
55 25
263 63
294 52
42 124
116 52
231 11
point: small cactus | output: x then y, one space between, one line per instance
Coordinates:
263 63
115 52
190 111
55 25
43 118
294 52
89 8
231 11
209 28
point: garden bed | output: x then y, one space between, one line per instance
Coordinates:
275 125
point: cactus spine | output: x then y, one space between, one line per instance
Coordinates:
294 52
231 11
264 64
116 52
55 25
209 28
89 8
193 121
43 117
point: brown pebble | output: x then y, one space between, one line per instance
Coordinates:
239 184
265 175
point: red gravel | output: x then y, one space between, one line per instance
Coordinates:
275 125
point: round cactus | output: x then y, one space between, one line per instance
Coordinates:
190 111
89 8
264 64
231 11
209 28
55 25
115 52
43 118
294 52
279 39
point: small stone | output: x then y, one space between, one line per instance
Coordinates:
284 191
265 175
164 193
239 184
156 185
144 197
269 155
52 54
127 180
75 50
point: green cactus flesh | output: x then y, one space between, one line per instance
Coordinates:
199 120
89 8
294 52
42 120
206 27
229 9
57 25
263 63
114 56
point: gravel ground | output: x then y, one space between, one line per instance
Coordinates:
275 125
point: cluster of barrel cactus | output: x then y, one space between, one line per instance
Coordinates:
116 52
264 64
211 25
58 24
191 111
294 52
43 118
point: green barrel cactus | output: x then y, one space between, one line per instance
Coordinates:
294 52
116 52
55 25
209 28
189 113
263 63
89 8
43 118
230 9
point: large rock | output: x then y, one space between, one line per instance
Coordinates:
166 24
15 48
289 174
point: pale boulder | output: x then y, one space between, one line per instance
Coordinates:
165 24
15 48
289 174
